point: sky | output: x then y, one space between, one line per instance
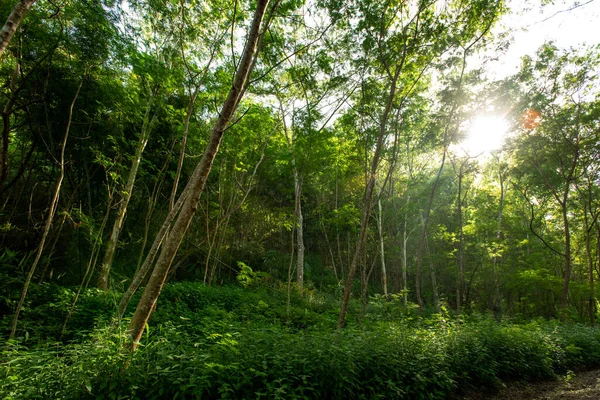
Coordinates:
532 25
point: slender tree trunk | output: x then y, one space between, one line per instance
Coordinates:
6 114
186 129
337 235
568 263
220 240
497 258
588 252
289 277
331 255
68 209
111 246
368 199
88 271
49 219
13 22
460 282
365 276
381 249
196 184
434 288
425 221
299 230
405 235
404 264
297 203
213 240
152 201
143 271
567 232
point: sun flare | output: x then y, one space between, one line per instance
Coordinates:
485 134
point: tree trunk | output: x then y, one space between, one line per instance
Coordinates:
111 246
381 249
6 113
405 235
568 263
143 271
96 247
67 212
404 264
460 282
565 211
49 219
194 188
186 128
299 230
12 23
368 199
299 218
497 306
152 201
331 255
423 240
588 252
434 288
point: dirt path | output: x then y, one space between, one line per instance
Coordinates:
580 386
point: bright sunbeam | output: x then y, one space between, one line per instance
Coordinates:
485 134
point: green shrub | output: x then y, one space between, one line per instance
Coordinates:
231 342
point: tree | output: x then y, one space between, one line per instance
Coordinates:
195 186
398 32
49 218
556 129
12 23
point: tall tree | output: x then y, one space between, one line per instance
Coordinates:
50 217
556 130
126 192
195 186
399 31
12 23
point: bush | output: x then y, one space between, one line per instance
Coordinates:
231 342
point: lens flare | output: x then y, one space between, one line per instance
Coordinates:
530 119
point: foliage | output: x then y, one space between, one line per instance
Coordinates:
231 342
516 234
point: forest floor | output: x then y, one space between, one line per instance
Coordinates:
583 385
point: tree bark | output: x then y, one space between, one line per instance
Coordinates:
111 246
194 188
12 23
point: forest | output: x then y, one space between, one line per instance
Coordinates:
292 199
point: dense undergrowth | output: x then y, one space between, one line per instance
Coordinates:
232 342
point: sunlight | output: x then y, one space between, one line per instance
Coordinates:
485 134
